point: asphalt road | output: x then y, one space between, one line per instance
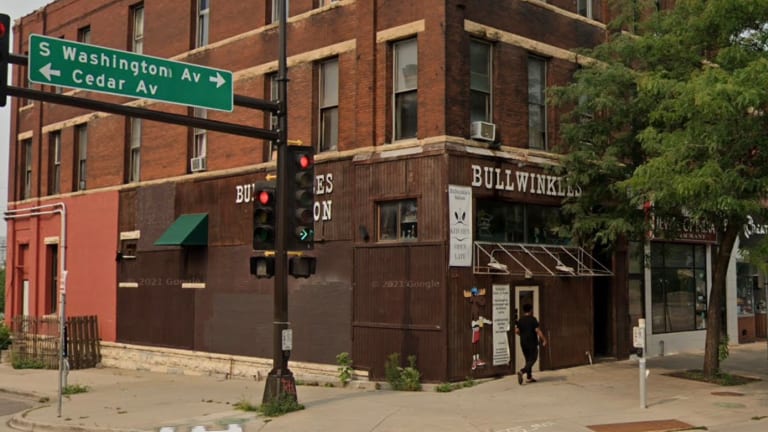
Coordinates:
11 404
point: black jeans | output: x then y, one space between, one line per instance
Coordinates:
531 354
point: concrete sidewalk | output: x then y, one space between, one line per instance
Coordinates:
602 397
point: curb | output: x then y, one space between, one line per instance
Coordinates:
21 422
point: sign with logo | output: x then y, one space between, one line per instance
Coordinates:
460 209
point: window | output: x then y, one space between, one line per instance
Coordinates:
137 29
54 185
84 35
678 287
746 288
200 136
480 80
584 8
203 22
329 104
26 147
505 222
81 172
406 71
273 92
53 277
398 220
275 15
537 113
134 150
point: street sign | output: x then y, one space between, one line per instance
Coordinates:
64 63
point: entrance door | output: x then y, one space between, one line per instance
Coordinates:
525 295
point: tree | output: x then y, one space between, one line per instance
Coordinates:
669 122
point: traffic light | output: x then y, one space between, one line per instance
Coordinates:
302 266
264 217
262 266
301 179
5 46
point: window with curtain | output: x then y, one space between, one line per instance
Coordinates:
537 113
406 72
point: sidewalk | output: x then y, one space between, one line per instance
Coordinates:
565 400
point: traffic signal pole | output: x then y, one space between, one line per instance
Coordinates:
280 381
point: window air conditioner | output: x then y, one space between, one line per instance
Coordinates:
197 164
483 131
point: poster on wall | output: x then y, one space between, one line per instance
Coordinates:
501 324
460 208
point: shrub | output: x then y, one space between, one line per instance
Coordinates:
74 389
345 368
27 363
5 336
402 378
282 404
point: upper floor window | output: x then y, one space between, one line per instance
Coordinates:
584 8
134 150
537 112
26 147
203 22
329 104
137 29
200 136
398 220
54 164
275 14
480 80
84 35
405 89
81 171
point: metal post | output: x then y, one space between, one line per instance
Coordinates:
280 380
643 403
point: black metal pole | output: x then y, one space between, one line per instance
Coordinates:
280 381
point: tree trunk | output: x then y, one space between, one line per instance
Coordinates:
717 299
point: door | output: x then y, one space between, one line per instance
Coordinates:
525 295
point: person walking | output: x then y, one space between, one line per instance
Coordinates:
527 327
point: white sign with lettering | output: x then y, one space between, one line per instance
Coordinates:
500 325
521 181
460 209
246 193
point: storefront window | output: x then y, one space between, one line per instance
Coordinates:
636 276
398 220
746 288
504 222
678 287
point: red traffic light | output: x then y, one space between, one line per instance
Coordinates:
265 197
2 29
305 161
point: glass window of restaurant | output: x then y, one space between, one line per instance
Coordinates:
506 222
678 287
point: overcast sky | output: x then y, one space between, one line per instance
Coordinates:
15 9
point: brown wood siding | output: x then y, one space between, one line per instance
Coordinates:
399 306
339 200
567 321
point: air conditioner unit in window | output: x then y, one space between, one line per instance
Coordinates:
197 164
483 131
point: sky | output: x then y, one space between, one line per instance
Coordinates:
15 9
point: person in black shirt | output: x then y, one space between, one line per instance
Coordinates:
527 328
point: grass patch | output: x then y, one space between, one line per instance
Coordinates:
27 363
283 404
449 387
720 378
71 389
244 405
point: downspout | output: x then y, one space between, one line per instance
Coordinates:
41 210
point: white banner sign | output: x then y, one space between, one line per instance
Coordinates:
500 324
460 207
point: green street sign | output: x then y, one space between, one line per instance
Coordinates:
64 63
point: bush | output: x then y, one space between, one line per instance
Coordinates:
282 404
5 336
74 389
345 368
27 363
402 378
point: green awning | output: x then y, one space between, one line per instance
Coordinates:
187 230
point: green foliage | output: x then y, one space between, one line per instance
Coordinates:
244 405
449 387
719 378
5 336
722 349
402 378
71 389
2 290
282 404
27 363
345 368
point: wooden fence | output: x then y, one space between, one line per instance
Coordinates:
36 341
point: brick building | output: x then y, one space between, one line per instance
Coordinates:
432 137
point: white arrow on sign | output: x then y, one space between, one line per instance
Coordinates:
218 79
48 72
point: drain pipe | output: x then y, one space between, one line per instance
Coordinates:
42 210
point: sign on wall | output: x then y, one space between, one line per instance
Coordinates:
501 325
460 209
